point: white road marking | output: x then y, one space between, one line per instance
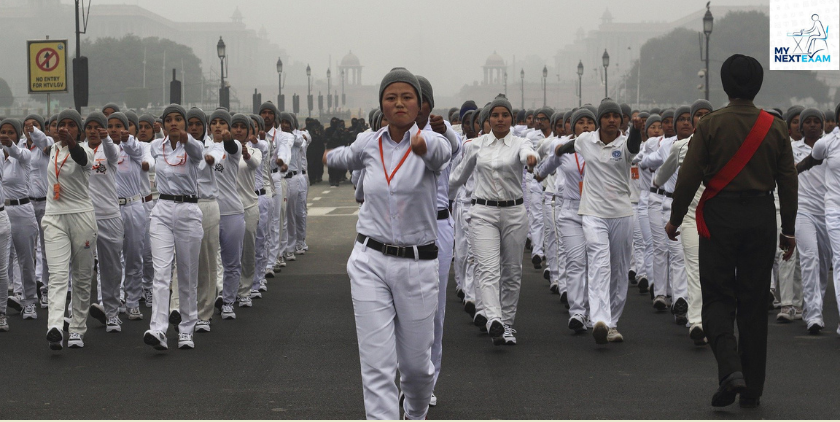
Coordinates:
326 191
330 211
317 198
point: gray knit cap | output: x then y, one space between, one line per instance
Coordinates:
484 115
655 111
829 116
132 118
557 116
499 101
529 113
581 113
174 108
197 113
37 118
111 106
148 118
121 117
653 118
793 112
700 105
221 113
269 105
400 74
15 123
242 118
668 113
547 111
567 116
643 115
259 122
468 117
593 109
287 117
52 119
682 110
811 112
98 117
73 115
608 106
626 110
426 90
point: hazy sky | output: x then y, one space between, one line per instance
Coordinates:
429 36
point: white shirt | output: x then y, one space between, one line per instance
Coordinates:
245 182
16 172
828 149
498 165
131 179
404 211
812 183
38 162
74 194
606 190
103 180
443 177
297 161
176 170
147 158
570 167
227 171
282 146
206 178
259 181
464 193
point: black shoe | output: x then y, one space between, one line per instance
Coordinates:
814 328
631 276
547 274
480 321
96 311
537 261
650 290
565 300
680 309
175 317
576 325
730 387
643 285
219 302
14 303
460 294
528 244
555 289
55 338
496 331
469 307
749 402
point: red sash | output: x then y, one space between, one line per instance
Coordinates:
733 167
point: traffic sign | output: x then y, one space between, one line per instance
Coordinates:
47 66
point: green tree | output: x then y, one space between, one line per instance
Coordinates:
6 97
670 64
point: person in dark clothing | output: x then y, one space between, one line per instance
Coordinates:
337 136
737 235
315 151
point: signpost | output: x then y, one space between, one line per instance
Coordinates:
47 67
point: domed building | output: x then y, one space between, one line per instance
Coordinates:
494 69
350 69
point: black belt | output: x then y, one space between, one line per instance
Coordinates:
260 192
669 194
511 203
425 252
37 199
21 201
291 174
658 191
443 214
2 208
179 198
275 170
744 194
147 198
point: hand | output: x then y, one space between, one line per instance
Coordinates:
418 144
788 245
65 138
637 123
245 154
252 139
284 168
437 124
6 140
538 178
124 136
226 135
325 156
672 231
279 162
532 161
144 166
102 133
262 135
175 135
28 129
208 159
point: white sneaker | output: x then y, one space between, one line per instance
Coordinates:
227 311
121 308
202 326
613 336
134 314
185 341
29 312
281 262
75 341
433 401
147 297
577 323
255 294
245 302
288 256
787 314
155 339
299 251
510 338
263 286
306 248
113 325
269 273
44 300
4 323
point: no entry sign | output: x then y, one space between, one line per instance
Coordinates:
47 66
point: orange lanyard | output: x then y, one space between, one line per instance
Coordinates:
57 167
382 157
580 170
163 148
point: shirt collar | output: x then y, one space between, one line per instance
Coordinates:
407 137
508 139
738 102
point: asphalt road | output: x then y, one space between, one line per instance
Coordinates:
294 356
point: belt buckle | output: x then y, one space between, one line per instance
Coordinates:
398 251
123 201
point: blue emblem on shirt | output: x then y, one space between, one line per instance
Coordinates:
616 155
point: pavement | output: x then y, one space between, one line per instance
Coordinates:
294 356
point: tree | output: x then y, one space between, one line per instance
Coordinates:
6 97
670 64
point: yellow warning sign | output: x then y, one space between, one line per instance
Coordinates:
47 66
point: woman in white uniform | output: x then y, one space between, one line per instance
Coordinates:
10 131
175 228
146 134
249 170
38 144
499 223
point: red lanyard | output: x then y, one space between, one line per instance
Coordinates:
183 158
382 157
57 167
580 169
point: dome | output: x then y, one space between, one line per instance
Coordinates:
495 60
350 60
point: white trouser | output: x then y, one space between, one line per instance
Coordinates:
647 238
24 236
208 258
69 240
787 274
553 246
535 216
676 258
570 227
301 222
498 236
445 242
608 249
247 256
261 242
465 249
278 217
5 239
637 263
815 258
134 227
176 234
295 208
231 236
394 302
832 225
148 264
42 272
691 248
459 258
660 246
109 247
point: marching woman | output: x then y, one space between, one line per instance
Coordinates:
9 132
264 188
607 216
652 130
393 268
38 144
175 228
249 170
69 230
499 223
569 222
650 162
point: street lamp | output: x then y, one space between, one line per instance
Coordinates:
224 99
505 83
606 61
545 82
309 89
281 103
342 89
522 76
708 23
329 89
580 82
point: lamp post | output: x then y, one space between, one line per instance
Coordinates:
342 88
522 76
309 89
580 82
505 83
606 61
545 83
281 103
224 98
708 23
329 89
